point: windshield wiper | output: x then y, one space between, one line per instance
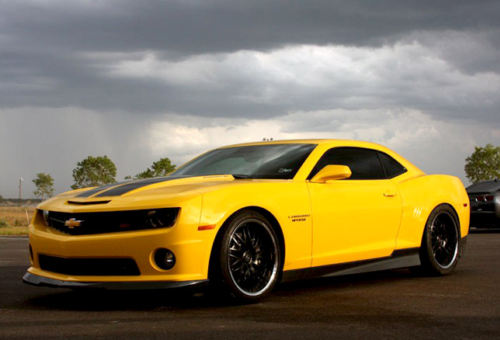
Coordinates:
241 176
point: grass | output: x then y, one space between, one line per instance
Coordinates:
13 220
13 231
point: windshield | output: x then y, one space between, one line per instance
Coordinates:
269 161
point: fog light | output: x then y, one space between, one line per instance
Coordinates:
164 259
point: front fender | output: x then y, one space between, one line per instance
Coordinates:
284 200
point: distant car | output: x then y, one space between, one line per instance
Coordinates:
485 204
247 216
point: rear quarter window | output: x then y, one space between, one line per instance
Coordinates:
392 167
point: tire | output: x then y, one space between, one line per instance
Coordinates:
249 261
441 246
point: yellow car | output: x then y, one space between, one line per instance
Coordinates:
250 215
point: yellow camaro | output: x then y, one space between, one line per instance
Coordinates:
247 216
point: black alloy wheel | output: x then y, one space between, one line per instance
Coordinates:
250 258
444 240
440 249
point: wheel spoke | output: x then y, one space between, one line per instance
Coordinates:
237 238
234 256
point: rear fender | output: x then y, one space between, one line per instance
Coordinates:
420 196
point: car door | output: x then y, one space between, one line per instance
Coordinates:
356 218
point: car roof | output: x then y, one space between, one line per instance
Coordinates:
347 142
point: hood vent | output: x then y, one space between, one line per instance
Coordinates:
88 202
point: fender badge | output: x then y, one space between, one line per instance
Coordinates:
298 218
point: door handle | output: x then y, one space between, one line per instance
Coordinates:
389 194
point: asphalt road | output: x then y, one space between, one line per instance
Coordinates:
390 304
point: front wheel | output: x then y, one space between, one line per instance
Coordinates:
440 248
249 257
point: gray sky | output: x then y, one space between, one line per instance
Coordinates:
140 80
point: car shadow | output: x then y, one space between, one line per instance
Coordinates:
189 298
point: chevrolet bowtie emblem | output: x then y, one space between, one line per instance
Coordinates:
72 223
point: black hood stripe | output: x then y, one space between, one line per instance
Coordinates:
90 192
123 189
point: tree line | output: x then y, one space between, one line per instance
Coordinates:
483 164
97 171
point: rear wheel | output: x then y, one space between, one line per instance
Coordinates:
249 257
440 248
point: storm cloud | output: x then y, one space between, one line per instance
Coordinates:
142 80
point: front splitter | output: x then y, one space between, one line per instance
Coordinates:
38 280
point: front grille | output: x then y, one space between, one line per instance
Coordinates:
482 202
109 222
89 266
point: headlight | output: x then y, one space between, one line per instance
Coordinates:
45 214
497 204
160 218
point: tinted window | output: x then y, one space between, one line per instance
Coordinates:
270 161
364 163
391 166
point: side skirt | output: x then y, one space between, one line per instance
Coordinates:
402 258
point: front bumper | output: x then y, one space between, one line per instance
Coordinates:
37 280
484 219
191 248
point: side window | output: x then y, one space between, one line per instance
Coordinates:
391 166
364 163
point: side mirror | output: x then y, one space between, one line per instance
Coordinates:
332 172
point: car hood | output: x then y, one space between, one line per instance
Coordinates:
484 187
147 193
